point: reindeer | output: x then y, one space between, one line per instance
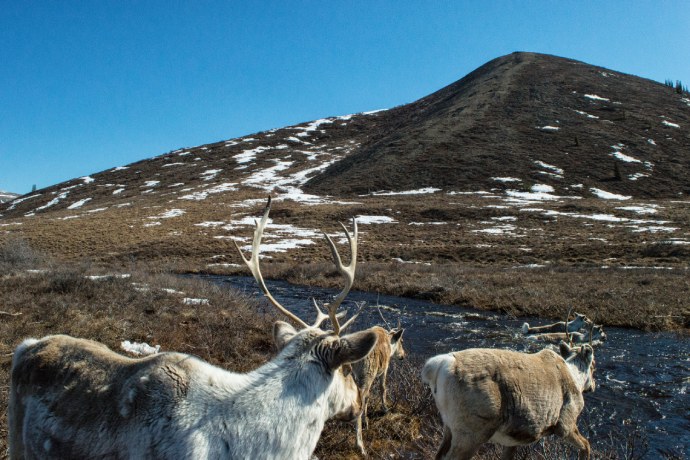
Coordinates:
75 398
509 398
560 326
389 344
595 335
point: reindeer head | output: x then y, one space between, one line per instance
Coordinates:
322 354
581 360
397 350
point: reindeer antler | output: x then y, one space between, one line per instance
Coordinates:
253 264
348 272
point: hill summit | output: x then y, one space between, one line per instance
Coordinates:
529 118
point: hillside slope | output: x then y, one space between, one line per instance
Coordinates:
532 117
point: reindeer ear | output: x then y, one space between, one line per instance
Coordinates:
282 333
587 353
397 334
351 348
564 349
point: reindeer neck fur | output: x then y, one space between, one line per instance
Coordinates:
295 388
579 371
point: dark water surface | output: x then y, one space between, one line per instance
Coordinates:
642 378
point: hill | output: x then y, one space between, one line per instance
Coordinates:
497 192
535 118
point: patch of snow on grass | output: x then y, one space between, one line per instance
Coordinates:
637 176
119 168
249 155
669 124
79 203
541 188
604 195
150 183
421 191
172 164
52 202
203 194
192 301
654 229
87 179
118 191
651 141
311 127
152 224
210 174
648 209
621 156
586 114
506 179
594 97
121 276
368 220
499 230
169 214
549 128
551 168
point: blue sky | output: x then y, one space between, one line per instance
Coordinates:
86 86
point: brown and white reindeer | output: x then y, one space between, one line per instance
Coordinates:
389 344
595 335
75 398
509 398
560 326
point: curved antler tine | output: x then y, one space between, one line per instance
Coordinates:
348 272
253 264
567 332
320 315
354 317
388 326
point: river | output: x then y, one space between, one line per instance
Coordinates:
642 378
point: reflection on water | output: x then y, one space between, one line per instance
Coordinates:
642 378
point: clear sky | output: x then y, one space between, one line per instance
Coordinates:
89 85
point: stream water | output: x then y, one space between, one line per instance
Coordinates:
642 378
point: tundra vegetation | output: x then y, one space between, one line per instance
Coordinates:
149 303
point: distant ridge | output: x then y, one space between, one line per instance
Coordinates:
7 196
520 121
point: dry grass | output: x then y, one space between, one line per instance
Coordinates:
451 257
230 331
644 298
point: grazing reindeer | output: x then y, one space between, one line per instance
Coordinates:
593 335
509 398
75 398
573 326
389 344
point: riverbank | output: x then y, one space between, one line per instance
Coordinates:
643 298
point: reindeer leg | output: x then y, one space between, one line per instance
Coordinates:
508 452
574 438
455 446
445 444
382 382
360 442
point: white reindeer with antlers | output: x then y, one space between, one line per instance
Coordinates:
74 398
